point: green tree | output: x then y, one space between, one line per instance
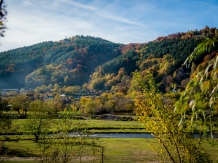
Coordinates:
38 119
108 106
20 103
41 89
72 89
5 124
58 103
5 117
70 143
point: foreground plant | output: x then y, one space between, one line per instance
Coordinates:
71 143
5 126
175 143
199 99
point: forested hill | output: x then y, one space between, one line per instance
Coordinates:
98 64
163 57
62 62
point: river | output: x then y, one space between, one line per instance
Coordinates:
128 135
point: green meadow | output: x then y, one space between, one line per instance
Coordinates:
94 126
119 150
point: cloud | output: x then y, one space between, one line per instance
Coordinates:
56 21
118 19
28 3
115 20
101 13
82 6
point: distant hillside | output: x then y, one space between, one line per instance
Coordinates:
163 56
100 65
115 75
49 62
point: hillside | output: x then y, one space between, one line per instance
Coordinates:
50 62
100 65
163 57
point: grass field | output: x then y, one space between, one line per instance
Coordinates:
117 150
92 125
128 150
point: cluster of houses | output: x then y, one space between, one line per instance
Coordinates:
30 93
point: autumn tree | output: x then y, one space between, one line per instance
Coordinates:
124 105
108 106
92 105
175 143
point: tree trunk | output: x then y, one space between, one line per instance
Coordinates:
36 138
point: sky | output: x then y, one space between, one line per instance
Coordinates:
120 21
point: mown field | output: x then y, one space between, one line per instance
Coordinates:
94 126
117 150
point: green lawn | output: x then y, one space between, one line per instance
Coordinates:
95 126
117 150
92 125
128 150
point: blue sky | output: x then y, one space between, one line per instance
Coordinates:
120 21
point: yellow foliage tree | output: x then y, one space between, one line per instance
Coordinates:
175 144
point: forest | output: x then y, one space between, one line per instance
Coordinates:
88 61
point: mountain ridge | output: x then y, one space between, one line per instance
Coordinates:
93 61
